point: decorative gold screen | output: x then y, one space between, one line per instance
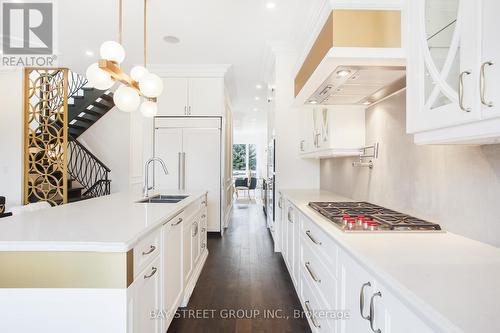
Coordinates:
45 135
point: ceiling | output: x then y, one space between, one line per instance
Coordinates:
234 32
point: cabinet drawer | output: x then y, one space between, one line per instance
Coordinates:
317 315
321 244
146 250
323 283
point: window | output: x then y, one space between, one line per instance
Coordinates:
244 160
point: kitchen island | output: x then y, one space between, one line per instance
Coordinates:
109 264
428 281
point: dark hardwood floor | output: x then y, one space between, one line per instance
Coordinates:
243 277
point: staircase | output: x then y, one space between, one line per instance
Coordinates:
87 176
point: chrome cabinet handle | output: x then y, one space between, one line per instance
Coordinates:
153 272
177 223
482 84
302 145
309 269
189 109
179 165
204 203
280 203
311 315
195 231
308 233
362 300
185 110
151 250
372 312
461 91
183 178
203 216
290 215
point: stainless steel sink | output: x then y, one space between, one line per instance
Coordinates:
163 198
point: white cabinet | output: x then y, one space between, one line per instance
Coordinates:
333 131
172 262
192 97
187 252
452 74
327 278
191 149
195 241
147 298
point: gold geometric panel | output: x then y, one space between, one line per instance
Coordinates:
45 135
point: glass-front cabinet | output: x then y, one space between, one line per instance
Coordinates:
442 64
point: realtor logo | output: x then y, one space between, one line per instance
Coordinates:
27 33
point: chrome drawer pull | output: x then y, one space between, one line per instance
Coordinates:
151 250
204 203
482 85
461 91
203 216
308 233
177 223
372 312
311 315
362 300
309 269
290 215
153 272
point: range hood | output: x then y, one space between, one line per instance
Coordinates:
357 58
359 85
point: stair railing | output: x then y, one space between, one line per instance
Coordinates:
88 170
75 83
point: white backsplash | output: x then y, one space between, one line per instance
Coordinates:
455 186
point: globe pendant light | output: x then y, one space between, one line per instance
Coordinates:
140 82
126 99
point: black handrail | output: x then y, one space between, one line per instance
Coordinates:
70 138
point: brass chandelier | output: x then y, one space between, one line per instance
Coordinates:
139 85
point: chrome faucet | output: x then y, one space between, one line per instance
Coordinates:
146 173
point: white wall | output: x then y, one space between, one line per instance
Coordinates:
109 140
455 186
291 170
11 136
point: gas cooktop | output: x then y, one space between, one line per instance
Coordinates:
367 217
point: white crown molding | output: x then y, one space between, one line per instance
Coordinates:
186 70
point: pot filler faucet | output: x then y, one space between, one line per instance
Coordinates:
146 173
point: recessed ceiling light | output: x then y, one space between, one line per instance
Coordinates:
171 39
312 102
257 98
366 103
255 109
258 86
343 72
89 53
270 5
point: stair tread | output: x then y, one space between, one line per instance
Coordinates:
75 126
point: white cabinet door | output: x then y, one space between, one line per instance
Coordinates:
147 299
398 318
307 131
174 100
357 287
442 65
202 168
195 241
172 263
490 63
296 250
290 240
206 96
168 147
187 258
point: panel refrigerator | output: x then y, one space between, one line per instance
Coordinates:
191 148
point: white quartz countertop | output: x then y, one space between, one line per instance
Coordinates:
112 223
450 281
